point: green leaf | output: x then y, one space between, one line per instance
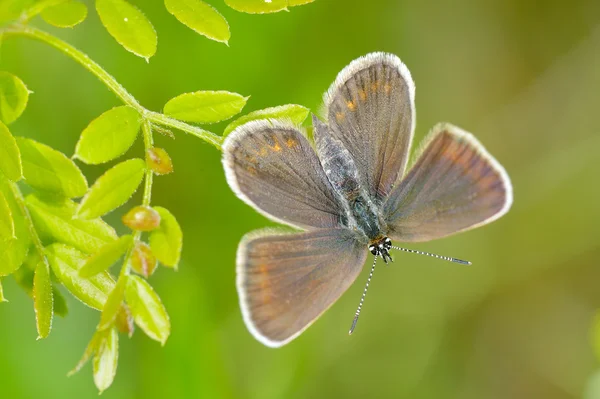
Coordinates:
108 136
66 262
106 359
7 224
205 106
147 309
166 241
257 6
2 299
54 221
49 170
200 17
66 14
293 112
293 3
43 302
11 10
89 352
13 252
13 97
113 304
10 157
129 26
112 189
60 304
106 257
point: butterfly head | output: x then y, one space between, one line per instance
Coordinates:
381 248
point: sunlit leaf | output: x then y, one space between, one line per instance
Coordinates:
292 112
43 300
113 303
2 299
7 224
66 14
13 97
49 170
107 256
166 241
10 156
66 262
13 252
257 6
106 359
147 309
143 260
159 161
141 218
205 106
112 189
293 3
10 10
200 17
60 304
108 136
89 352
54 221
129 26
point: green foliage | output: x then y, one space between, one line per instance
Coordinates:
147 309
292 112
10 157
113 304
2 299
13 97
205 106
7 224
166 241
106 359
200 17
108 136
43 301
66 14
107 256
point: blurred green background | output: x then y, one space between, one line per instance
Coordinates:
524 77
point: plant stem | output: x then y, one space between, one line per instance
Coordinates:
110 81
148 143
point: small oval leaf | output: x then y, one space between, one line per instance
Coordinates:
108 136
66 262
257 6
159 161
166 241
200 17
106 257
205 106
13 252
293 112
7 224
129 26
49 170
54 222
10 156
147 309
106 359
66 14
113 304
143 260
112 189
13 97
43 302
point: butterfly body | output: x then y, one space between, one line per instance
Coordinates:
351 193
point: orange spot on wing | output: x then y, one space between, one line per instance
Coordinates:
362 94
275 147
291 142
387 87
375 86
263 152
340 116
351 105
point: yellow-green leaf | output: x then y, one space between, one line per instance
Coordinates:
113 304
205 106
43 302
166 241
66 262
49 170
200 17
106 257
2 299
88 353
108 136
54 221
106 359
112 189
7 224
257 6
147 309
293 3
292 112
13 252
129 26
10 157
13 97
66 14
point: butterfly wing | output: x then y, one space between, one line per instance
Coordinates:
370 109
286 281
271 166
455 185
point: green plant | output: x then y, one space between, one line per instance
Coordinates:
48 238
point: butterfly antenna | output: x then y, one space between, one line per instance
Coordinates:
414 251
362 298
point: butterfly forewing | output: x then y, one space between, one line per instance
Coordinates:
370 109
454 185
271 166
285 281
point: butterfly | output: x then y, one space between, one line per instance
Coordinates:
351 192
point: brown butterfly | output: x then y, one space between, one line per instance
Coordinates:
351 193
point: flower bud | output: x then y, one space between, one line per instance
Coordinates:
142 218
143 260
159 161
